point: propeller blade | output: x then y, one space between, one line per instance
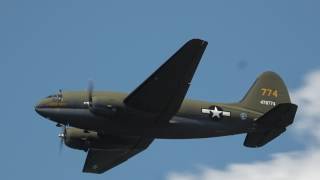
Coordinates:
62 137
90 90
60 94
60 146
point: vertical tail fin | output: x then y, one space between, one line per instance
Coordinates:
267 91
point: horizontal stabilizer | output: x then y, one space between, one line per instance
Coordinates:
260 139
271 125
280 116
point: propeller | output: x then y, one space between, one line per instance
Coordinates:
90 91
62 136
60 95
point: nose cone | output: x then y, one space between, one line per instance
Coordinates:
39 110
40 107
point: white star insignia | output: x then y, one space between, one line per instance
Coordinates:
215 112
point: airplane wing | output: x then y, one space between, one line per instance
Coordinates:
101 160
163 92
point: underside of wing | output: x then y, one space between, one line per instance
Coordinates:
101 160
163 92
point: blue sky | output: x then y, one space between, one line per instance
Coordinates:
47 45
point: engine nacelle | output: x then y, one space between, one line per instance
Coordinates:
101 108
83 140
79 139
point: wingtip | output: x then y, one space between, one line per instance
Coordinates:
197 40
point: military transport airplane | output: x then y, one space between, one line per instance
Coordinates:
112 127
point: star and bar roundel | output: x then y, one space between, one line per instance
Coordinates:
216 112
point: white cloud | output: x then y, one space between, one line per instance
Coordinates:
298 165
308 99
285 166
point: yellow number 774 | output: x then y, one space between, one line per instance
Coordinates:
269 92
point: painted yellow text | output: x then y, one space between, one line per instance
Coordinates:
269 92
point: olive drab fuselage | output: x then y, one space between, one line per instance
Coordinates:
193 120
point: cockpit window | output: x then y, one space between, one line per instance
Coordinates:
55 97
51 96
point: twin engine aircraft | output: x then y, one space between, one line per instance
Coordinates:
112 127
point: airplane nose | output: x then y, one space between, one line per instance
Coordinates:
39 108
48 109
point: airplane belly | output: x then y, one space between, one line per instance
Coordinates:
185 128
